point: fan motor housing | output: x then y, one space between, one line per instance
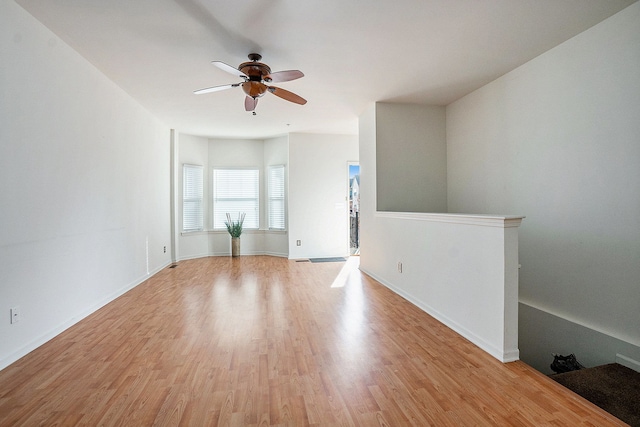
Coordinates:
255 71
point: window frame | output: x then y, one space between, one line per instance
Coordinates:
252 222
279 200
189 196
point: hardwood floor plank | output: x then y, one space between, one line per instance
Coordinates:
265 341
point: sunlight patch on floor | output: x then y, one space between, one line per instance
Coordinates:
342 278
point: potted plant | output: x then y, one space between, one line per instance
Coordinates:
235 230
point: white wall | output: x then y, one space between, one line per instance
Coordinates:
237 153
84 182
411 158
192 150
240 153
368 172
461 269
558 140
318 190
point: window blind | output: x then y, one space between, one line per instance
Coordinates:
192 198
276 198
236 191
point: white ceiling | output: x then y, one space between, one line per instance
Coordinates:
353 52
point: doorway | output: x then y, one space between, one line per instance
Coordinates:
354 208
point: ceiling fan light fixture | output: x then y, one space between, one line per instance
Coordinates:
255 75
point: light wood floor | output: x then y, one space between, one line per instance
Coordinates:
264 341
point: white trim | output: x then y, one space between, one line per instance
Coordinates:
221 231
193 186
194 233
268 198
228 254
348 219
196 256
628 362
509 355
612 334
506 221
57 330
215 197
176 226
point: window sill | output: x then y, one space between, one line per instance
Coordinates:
193 233
251 231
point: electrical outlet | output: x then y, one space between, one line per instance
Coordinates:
165 249
298 242
15 314
399 267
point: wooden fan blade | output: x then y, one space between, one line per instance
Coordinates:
250 103
229 69
215 88
285 94
283 76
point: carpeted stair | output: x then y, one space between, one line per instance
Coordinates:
614 388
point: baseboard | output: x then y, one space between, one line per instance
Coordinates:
228 254
503 356
197 256
23 351
542 333
277 254
628 362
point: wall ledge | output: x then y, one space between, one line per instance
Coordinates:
502 221
580 322
224 231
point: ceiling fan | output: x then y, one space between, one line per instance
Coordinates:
257 77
